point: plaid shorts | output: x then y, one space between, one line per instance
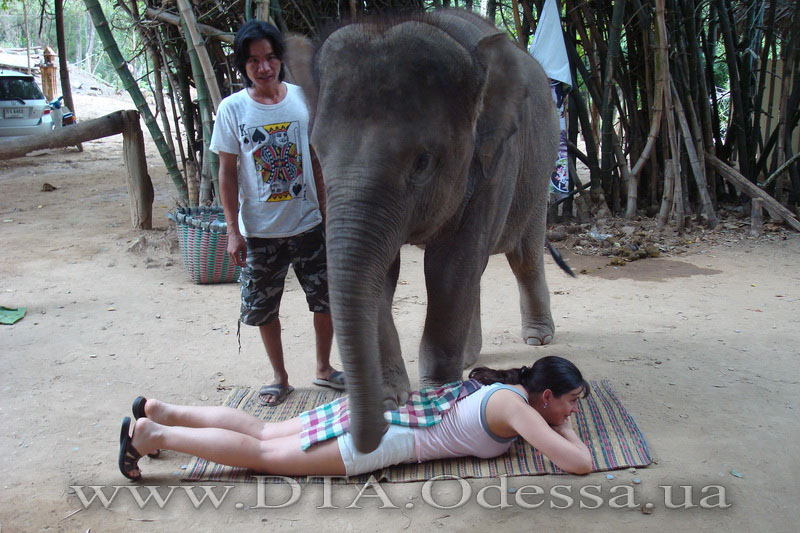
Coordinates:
268 262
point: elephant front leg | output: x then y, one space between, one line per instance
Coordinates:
395 378
453 283
534 298
475 339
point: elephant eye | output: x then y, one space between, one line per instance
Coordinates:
422 162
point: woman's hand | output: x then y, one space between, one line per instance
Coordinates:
565 429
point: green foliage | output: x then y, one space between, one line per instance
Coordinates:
83 49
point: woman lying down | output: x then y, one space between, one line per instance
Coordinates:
480 417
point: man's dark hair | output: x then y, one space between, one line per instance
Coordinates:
254 30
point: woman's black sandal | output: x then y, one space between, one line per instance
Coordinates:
128 456
138 412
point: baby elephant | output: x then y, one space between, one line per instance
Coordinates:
433 130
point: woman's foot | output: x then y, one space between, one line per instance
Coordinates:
128 454
138 410
144 436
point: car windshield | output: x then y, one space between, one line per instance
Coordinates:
12 88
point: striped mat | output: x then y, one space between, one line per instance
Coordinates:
602 422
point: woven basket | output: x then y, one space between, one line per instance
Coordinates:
203 241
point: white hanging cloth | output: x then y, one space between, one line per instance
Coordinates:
548 46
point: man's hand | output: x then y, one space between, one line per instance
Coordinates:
237 249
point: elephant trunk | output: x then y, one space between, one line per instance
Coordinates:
363 239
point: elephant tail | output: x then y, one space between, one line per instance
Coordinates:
558 259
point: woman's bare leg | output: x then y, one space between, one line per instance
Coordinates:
278 456
219 417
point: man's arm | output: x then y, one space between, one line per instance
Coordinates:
229 194
319 182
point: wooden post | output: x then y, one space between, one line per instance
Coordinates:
140 187
756 218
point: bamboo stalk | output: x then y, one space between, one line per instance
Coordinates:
606 105
158 92
174 89
200 49
114 55
762 75
697 167
517 24
671 184
740 127
205 117
783 168
175 20
262 10
655 125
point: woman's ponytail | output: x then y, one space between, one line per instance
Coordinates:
487 376
550 372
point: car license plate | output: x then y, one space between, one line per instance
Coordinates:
14 112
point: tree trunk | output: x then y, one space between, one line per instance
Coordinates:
140 187
88 130
63 69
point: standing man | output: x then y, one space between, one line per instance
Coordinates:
268 185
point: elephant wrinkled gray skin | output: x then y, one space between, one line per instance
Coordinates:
438 131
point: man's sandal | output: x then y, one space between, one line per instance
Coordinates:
138 412
128 455
335 381
277 391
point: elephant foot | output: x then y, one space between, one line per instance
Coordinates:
396 388
539 334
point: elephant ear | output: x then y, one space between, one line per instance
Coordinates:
504 92
298 58
501 71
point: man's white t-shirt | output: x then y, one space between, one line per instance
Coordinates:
277 195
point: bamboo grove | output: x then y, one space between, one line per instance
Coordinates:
678 105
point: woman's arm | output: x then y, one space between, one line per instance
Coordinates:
560 443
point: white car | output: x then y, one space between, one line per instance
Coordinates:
23 108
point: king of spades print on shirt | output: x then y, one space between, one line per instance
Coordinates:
278 161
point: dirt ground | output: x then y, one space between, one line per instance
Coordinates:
700 343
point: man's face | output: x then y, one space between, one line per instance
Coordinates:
263 66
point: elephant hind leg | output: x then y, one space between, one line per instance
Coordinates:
534 297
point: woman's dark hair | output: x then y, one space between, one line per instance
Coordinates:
254 30
551 372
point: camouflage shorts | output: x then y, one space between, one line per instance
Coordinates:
268 262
